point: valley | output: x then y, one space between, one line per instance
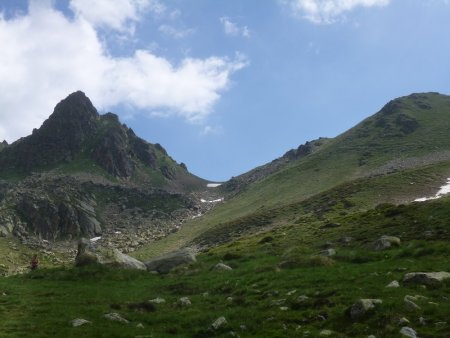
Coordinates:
319 242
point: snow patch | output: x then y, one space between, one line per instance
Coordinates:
95 239
212 201
444 190
213 185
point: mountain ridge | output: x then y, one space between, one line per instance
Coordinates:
76 131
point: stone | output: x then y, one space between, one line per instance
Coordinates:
423 321
140 326
393 284
284 308
386 242
302 299
327 252
403 321
184 301
408 332
432 279
362 307
79 322
278 302
219 322
326 333
90 253
410 305
165 263
157 300
115 317
222 267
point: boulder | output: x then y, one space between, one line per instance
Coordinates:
426 278
328 252
115 317
408 332
184 302
157 300
169 261
219 322
393 284
362 307
222 267
79 322
90 253
386 242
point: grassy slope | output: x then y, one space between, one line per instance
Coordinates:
266 268
374 142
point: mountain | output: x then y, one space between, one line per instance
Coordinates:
86 174
76 135
344 237
400 153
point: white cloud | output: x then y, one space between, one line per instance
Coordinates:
328 11
46 56
174 32
118 14
210 130
232 29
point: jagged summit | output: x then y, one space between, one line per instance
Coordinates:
77 104
76 135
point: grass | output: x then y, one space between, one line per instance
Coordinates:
346 198
43 303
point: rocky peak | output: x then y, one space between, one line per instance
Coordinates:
73 119
60 138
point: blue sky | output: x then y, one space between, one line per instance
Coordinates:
223 85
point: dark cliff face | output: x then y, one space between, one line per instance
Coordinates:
75 129
62 135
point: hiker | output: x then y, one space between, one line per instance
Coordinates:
34 263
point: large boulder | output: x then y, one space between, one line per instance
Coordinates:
386 242
164 264
90 253
426 278
362 307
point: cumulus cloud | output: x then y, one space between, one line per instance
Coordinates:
232 29
328 11
45 56
118 14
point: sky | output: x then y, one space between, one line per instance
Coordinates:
222 85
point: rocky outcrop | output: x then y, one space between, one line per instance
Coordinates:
167 262
60 138
363 307
426 278
386 242
89 253
111 152
51 219
238 183
75 131
49 208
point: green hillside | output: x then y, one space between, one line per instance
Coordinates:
409 133
302 243
279 286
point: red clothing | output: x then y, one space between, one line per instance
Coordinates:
34 263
